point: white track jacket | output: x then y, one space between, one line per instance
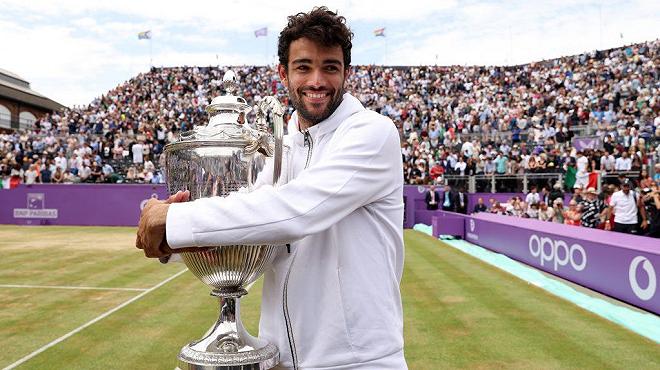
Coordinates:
333 302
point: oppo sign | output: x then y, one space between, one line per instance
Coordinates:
557 252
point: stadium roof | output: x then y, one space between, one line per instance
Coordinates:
14 87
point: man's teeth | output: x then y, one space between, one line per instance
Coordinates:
315 96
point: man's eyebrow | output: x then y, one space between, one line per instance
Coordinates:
302 61
309 61
332 61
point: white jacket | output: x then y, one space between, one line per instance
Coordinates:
342 213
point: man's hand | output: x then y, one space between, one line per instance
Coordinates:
151 230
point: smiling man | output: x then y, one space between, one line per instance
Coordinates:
333 301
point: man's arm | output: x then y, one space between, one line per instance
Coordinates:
363 165
642 212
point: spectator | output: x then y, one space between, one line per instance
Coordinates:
448 199
432 198
58 176
533 196
651 202
546 213
624 207
572 216
592 209
480 206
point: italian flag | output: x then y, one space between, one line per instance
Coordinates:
9 182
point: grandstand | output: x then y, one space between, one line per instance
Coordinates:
582 120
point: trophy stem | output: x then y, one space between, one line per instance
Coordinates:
228 346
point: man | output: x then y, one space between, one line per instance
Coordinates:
624 206
592 207
480 206
500 163
623 163
607 162
533 196
334 301
461 201
582 176
651 201
432 198
546 213
448 200
556 193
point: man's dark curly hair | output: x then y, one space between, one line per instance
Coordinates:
321 26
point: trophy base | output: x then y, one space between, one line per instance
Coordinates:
228 346
259 359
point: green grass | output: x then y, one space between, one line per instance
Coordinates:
462 313
459 312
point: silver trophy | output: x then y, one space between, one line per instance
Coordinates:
222 157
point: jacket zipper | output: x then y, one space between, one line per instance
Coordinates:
309 143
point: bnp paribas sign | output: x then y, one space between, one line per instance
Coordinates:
36 208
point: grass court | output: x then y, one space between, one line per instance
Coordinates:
85 298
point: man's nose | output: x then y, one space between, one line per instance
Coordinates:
317 79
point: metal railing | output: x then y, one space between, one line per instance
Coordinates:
508 183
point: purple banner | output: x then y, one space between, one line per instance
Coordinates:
76 204
619 265
587 142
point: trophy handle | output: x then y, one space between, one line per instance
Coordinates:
270 103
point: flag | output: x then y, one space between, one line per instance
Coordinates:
144 35
261 32
379 32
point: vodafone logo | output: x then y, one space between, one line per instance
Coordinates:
557 252
642 293
472 225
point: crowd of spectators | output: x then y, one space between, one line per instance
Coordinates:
622 207
452 120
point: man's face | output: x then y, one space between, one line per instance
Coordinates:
315 79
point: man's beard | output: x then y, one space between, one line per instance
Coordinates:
312 118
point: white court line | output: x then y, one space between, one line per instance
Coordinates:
93 321
69 287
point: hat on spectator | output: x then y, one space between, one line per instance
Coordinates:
557 186
625 182
591 190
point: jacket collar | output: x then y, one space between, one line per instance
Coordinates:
349 106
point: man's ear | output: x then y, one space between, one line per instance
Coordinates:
281 70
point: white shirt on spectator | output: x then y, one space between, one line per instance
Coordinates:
137 153
607 163
467 149
625 207
31 176
85 172
61 162
623 164
532 198
460 168
582 164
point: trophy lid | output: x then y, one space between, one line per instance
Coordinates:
227 119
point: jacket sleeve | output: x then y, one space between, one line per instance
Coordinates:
360 165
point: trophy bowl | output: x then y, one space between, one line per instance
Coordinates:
215 160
